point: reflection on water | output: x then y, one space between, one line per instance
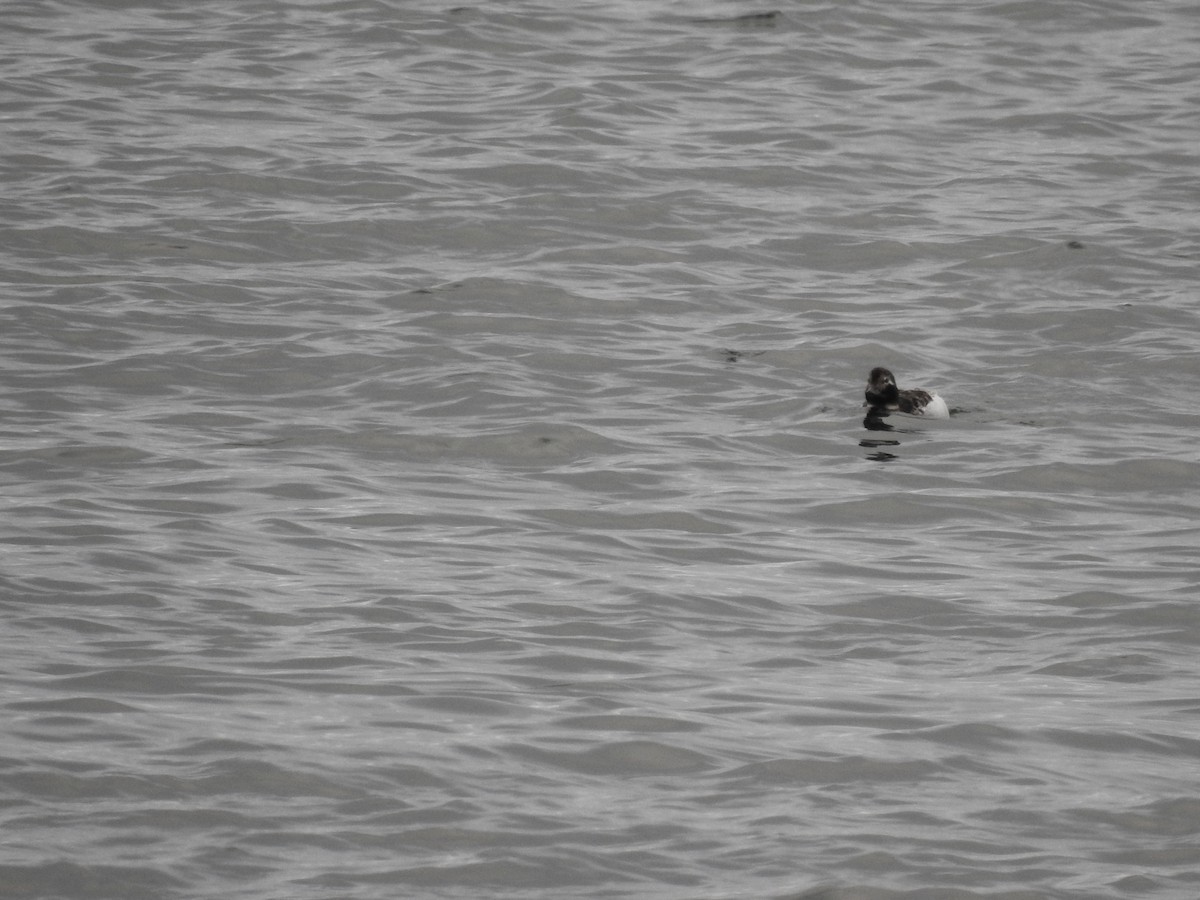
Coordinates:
876 419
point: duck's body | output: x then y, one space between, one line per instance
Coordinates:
883 395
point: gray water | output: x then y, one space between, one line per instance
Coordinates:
433 459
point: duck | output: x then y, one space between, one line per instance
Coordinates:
883 397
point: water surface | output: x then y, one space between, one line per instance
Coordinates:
433 459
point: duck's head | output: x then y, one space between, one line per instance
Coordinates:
881 387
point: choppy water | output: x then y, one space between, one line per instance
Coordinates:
433 462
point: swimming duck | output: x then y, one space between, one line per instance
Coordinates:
883 397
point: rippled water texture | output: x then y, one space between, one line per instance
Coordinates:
433 458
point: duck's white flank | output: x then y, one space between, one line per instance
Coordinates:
936 408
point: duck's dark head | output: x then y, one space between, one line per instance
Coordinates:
881 387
